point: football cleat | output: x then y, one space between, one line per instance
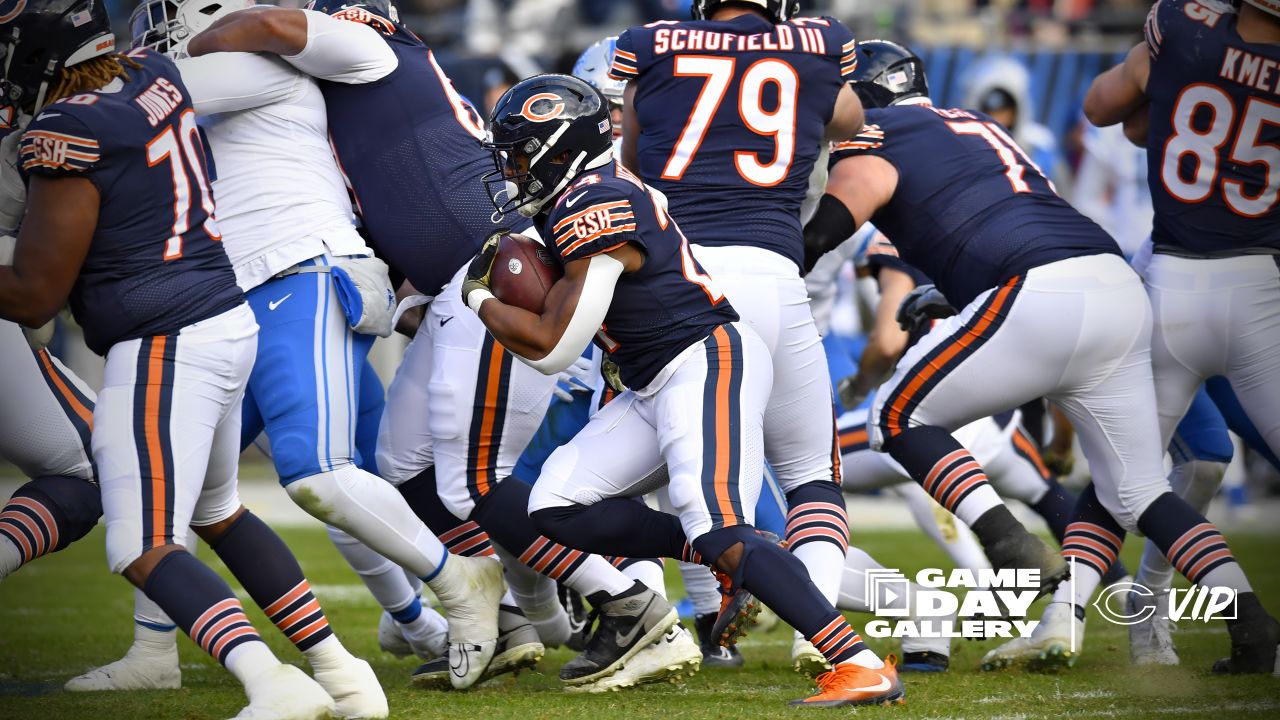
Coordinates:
738 610
1255 648
806 659
849 684
766 619
673 657
391 638
628 622
924 661
1021 549
140 669
1050 646
518 648
470 590
713 653
1151 638
353 686
285 693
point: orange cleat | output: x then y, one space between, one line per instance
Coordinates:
851 684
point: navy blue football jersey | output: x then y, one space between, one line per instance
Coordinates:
156 262
660 309
732 117
1213 144
971 210
410 148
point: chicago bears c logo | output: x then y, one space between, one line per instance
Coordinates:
9 9
550 109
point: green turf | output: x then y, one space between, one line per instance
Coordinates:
65 614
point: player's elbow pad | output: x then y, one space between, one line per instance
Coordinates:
831 225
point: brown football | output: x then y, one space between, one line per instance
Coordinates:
523 272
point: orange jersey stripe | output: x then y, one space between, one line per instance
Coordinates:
151 424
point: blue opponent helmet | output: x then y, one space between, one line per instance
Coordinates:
779 11
543 133
41 37
381 15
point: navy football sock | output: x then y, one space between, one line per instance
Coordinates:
460 537
1092 542
781 582
267 570
615 526
1193 544
200 603
948 472
49 513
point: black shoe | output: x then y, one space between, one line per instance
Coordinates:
580 621
1021 549
628 622
1253 648
518 648
713 653
924 661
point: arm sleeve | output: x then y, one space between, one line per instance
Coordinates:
596 223
226 82
593 304
625 64
343 51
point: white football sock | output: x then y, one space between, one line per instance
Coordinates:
370 510
954 537
386 581
247 661
537 596
648 572
597 575
825 563
10 557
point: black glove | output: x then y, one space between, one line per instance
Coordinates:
921 306
481 266
850 396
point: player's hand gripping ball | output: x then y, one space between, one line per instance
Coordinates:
523 272
478 273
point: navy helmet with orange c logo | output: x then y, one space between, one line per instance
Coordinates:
544 132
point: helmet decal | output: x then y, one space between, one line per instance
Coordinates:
12 12
551 107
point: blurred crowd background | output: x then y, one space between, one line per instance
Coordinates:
1027 62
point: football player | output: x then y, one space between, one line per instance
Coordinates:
120 220
725 116
698 378
409 146
1194 95
1010 261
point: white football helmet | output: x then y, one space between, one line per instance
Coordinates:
167 25
593 66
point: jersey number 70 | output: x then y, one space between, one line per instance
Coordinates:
779 123
181 150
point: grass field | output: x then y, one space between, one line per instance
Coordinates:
65 614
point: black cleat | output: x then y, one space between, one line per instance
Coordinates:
1254 648
713 653
580 621
1021 549
628 622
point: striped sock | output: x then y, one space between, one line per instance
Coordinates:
468 540
1092 545
818 534
29 525
946 470
1193 545
201 604
837 640
44 516
266 568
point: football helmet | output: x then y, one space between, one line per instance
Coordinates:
166 26
544 132
887 74
593 66
779 11
41 37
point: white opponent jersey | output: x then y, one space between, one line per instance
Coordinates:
280 196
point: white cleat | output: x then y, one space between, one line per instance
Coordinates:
1052 645
139 669
806 659
354 688
470 591
674 656
1151 639
391 637
285 693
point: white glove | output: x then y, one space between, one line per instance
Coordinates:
577 378
7 245
13 192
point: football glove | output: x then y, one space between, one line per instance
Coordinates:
577 378
921 306
13 192
481 268
847 391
